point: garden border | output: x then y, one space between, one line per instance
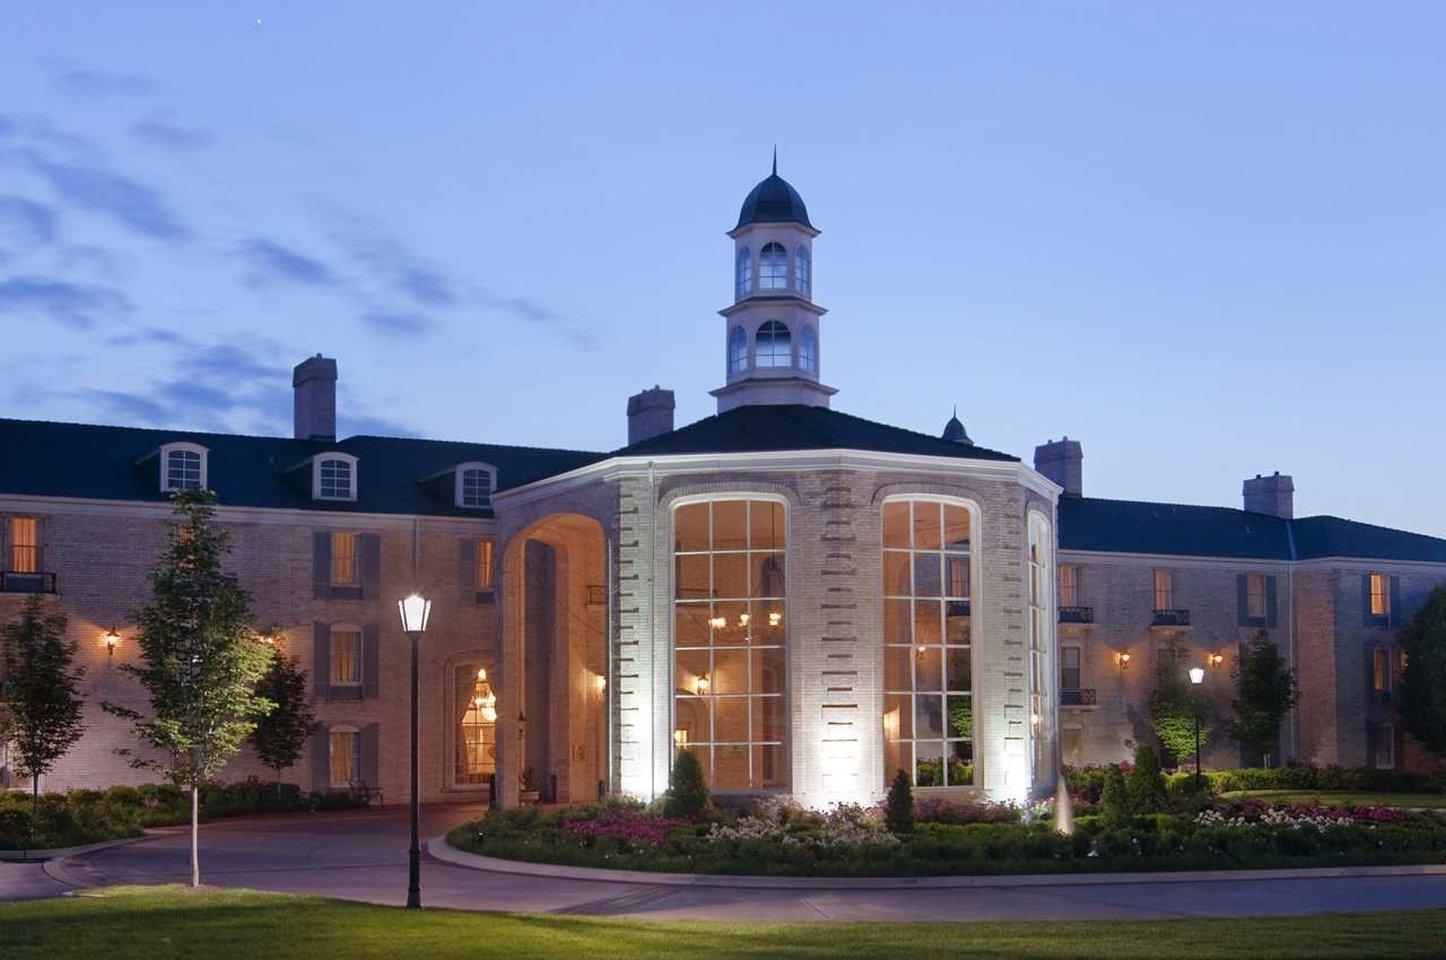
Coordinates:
440 849
47 854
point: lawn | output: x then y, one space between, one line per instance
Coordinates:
1340 798
151 923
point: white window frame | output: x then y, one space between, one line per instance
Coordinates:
355 758
1076 597
165 462
1383 580
1042 669
457 484
361 670
316 463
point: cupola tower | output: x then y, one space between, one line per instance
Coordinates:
771 331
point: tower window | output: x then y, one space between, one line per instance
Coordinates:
773 267
801 271
743 282
737 350
773 347
808 349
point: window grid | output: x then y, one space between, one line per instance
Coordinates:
802 278
345 757
24 545
335 482
1069 668
729 659
928 669
773 346
1381 671
1255 596
476 487
343 558
773 267
1069 585
183 470
1164 583
743 282
476 737
808 349
1038 639
737 350
346 660
1380 595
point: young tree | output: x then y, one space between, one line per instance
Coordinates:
1146 784
41 713
687 791
1422 702
281 734
899 808
1173 711
199 659
1115 807
1267 692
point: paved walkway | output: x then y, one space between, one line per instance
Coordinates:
361 855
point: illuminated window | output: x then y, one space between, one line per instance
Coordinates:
475 482
1255 596
737 350
773 346
482 563
334 478
928 668
346 657
728 638
345 756
773 267
1040 637
808 349
802 269
1381 672
183 467
1164 584
1380 595
743 279
343 558
1069 585
24 545
475 709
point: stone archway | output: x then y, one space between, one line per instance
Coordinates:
554 655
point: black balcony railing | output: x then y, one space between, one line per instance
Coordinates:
1083 697
1171 618
13 581
1076 614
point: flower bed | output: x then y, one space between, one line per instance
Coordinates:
776 838
92 816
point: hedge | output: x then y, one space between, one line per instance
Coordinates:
1085 783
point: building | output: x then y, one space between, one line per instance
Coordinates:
809 600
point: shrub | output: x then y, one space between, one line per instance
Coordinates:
899 807
1115 798
960 812
687 794
1146 785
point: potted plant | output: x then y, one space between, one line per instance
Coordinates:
529 791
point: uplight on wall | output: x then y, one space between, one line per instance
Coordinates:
111 640
1217 659
1122 660
600 683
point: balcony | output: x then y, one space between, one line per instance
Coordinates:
1076 614
1170 618
1084 697
14 581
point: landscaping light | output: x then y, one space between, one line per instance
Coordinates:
1197 674
415 610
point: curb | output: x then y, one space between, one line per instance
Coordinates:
438 848
57 867
61 853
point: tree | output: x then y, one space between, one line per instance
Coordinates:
1173 713
199 660
1422 703
1115 805
41 714
1146 784
687 792
1266 694
899 808
281 734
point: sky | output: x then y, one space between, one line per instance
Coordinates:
1206 240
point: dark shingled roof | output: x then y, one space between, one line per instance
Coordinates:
760 429
773 201
1135 526
100 462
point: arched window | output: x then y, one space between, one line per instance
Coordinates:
474 484
743 283
334 477
802 270
737 350
808 349
773 346
183 467
773 267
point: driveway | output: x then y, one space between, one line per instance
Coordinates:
362 855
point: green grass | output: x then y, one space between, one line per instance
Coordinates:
1336 798
159 922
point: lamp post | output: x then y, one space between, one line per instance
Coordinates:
1197 677
414 610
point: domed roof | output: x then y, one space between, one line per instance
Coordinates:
773 201
954 431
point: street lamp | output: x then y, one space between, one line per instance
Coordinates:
1197 677
414 610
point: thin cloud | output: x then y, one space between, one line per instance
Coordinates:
169 136
530 311
133 205
26 222
398 323
364 425
75 305
270 262
98 83
125 407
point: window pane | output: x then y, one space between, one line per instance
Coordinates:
961 763
690 624
730 575
956 527
956 622
767 622
767 670
690 527
730 525
898 617
896 524
766 578
956 576
961 667
689 665
927 577
765 525
768 719
768 771
692 577
897 757
898 664
897 581
730 670
929 669
730 767
929 764
927 533
693 720
961 716
732 624
730 719
927 623
928 715
898 717
343 558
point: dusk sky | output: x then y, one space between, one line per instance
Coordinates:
1207 241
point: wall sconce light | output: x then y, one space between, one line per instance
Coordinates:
1122 660
1217 659
775 618
718 623
700 686
111 639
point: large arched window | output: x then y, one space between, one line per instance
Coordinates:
802 271
773 267
808 349
737 350
743 276
773 347
928 651
474 708
1038 592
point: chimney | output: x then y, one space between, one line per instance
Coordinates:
1063 462
650 414
1274 495
313 386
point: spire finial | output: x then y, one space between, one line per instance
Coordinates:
775 159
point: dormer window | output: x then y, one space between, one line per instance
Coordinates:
474 485
334 477
183 467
